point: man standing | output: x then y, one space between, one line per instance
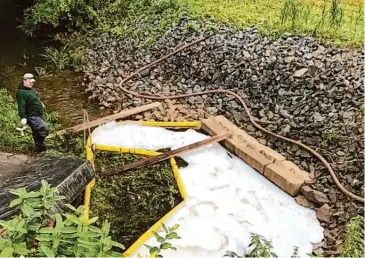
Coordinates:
31 109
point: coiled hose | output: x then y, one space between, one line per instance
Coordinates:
241 101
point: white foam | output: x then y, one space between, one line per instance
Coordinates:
227 199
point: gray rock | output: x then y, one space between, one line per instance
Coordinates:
314 195
324 213
317 117
300 72
212 110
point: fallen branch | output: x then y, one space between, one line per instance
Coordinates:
169 154
94 123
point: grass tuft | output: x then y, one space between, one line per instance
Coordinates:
354 238
135 200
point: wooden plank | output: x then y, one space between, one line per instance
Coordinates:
99 121
169 154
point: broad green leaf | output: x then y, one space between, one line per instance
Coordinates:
158 237
56 242
20 225
172 235
167 246
153 250
91 254
70 207
32 195
116 244
107 247
59 222
54 190
15 202
73 218
21 248
47 251
33 227
94 229
148 246
47 230
80 209
45 184
22 230
26 209
3 223
8 224
77 250
19 192
105 228
69 236
7 252
57 198
44 238
68 230
92 220
89 234
89 247
114 254
67 242
90 242
106 240
165 228
174 227
4 243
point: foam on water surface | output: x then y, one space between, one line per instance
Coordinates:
227 199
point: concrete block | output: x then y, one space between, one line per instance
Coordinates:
284 175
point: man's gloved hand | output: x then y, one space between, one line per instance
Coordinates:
23 121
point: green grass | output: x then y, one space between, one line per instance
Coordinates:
135 200
354 238
341 24
332 21
336 21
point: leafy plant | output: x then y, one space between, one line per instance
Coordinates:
57 57
65 57
38 232
260 248
76 59
170 233
354 238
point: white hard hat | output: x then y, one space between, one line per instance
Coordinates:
29 77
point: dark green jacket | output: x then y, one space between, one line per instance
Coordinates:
29 103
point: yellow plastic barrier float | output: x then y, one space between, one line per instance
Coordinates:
90 155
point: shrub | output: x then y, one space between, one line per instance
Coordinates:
37 232
64 57
260 248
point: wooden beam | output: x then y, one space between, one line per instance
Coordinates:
99 121
169 154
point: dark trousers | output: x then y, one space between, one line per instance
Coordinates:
39 130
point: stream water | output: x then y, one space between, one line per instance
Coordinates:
61 92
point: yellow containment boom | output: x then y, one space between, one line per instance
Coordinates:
90 155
